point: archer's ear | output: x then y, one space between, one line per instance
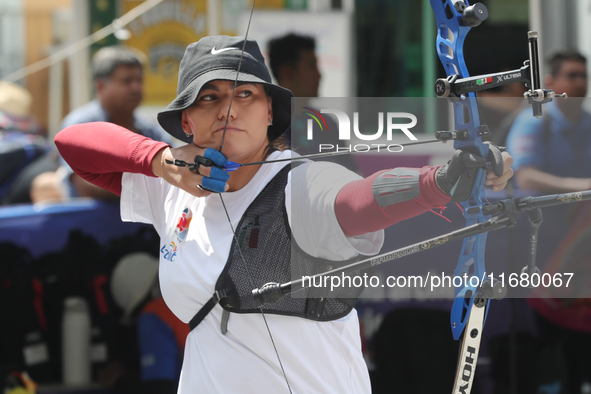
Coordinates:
185 121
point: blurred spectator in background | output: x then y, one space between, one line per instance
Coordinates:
21 140
295 67
294 64
563 313
151 346
118 82
553 154
15 110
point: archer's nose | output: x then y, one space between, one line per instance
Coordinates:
226 109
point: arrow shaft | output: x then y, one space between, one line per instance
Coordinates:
330 154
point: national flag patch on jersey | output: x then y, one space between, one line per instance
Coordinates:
250 234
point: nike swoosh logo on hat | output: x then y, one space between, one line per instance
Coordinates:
216 51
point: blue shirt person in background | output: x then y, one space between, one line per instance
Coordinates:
118 83
553 154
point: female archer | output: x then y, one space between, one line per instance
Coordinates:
224 233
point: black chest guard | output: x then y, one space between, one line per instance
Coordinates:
263 251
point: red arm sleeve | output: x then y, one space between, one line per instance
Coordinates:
101 152
359 213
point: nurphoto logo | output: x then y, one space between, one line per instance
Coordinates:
391 119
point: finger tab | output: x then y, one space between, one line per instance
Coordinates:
213 184
217 157
218 173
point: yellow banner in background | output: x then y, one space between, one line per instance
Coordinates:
162 34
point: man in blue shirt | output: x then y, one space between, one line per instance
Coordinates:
553 154
118 83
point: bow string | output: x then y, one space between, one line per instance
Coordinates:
235 239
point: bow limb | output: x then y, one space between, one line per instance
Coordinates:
451 34
452 29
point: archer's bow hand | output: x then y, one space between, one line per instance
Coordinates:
457 177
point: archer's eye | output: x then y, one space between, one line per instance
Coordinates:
207 97
244 93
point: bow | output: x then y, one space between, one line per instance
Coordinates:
452 28
454 19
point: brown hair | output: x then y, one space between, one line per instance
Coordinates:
279 144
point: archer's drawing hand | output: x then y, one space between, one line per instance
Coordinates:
196 170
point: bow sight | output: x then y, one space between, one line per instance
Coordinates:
454 87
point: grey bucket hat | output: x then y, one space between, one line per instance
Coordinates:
215 58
